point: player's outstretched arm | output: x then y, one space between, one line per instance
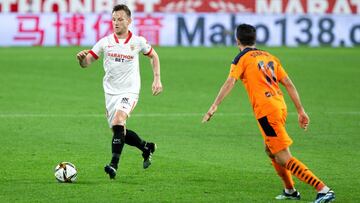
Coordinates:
293 93
156 87
84 58
224 91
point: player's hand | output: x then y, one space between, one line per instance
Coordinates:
156 87
303 120
82 54
209 114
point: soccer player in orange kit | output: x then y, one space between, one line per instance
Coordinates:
261 74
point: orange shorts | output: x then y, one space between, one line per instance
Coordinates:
273 130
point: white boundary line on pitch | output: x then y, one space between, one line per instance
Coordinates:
344 113
39 115
17 115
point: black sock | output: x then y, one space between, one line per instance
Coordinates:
118 142
133 139
115 160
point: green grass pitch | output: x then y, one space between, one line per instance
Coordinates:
51 110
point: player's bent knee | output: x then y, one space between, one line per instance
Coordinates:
268 152
271 155
120 118
119 121
283 156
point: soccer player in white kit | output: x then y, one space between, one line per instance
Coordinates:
122 82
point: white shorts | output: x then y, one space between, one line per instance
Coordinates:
122 102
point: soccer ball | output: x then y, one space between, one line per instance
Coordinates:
65 172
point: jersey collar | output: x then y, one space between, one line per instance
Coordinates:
126 40
249 49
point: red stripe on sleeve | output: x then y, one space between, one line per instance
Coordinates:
93 54
147 54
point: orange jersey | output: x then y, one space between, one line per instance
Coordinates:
260 73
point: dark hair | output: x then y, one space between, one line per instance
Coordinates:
246 34
122 7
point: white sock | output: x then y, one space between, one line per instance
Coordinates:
325 189
290 191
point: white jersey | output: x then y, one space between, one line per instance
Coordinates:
121 62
